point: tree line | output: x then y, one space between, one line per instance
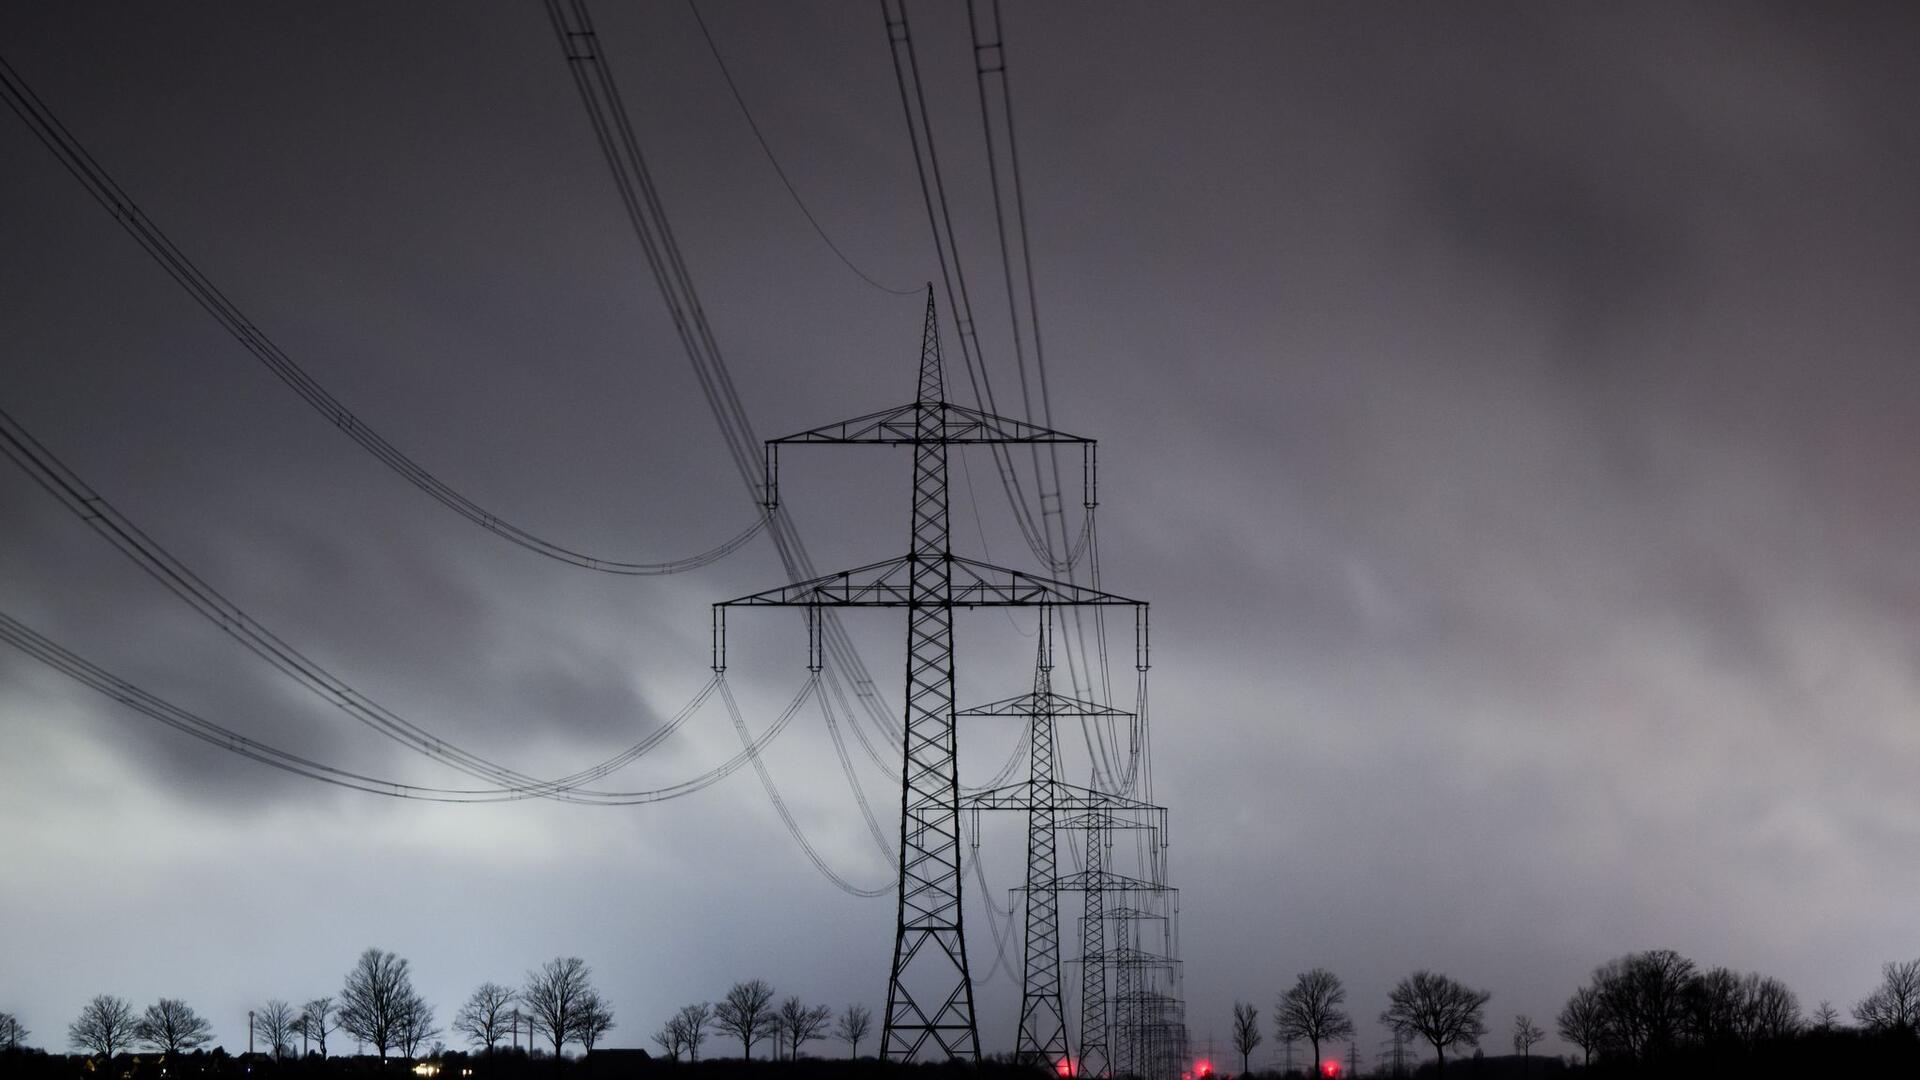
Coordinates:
747 1014
1645 1012
377 1006
1436 1008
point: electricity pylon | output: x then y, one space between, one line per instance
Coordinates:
930 989
1042 1037
1099 1053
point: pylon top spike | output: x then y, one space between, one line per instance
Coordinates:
932 384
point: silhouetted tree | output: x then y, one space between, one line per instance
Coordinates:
485 1016
1715 1001
745 1013
692 1020
1583 1022
1311 1010
854 1024
1440 1010
105 1026
555 996
1826 1017
276 1020
12 1031
1246 1031
1895 1004
596 1019
377 999
315 1021
1773 1010
1643 1000
415 1027
798 1025
170 1026
669 1041
1526 1033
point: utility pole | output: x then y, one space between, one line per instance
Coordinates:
249 1031
930 988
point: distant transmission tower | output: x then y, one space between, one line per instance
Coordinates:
930 990
1042 1037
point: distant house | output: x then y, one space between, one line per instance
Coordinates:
616 1063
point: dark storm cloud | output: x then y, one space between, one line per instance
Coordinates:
1508 411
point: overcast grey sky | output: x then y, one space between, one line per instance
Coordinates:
1508 411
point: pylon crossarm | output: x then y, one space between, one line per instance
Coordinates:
978 584
957 424
1134 913
1056 704
1104 881
1128 954
1063 796
889 584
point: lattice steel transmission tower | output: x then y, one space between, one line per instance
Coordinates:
1042 1037
930 989
1105 1021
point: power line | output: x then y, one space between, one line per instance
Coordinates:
780 804
933 193
774 161
633 182
71 664
940 224
80 499
68 150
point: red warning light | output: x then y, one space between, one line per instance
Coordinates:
1330 1069
1202 1068
1064 1066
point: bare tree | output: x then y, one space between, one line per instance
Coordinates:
171 1026
746 1013
1716 1002
1311 1010
105 1026
377 999
1526 1033
854 1024
1773 1010
1440 1010
415 1026
485 1016
1643 1000
1895 1004
277 1019
554 997
596 1019
315 1021
1583 1022
12 1031
1826 1017
692 1020
668 1039
798 1025
1246 1032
